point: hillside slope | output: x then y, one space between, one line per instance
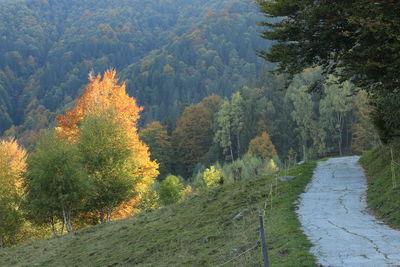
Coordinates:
383 195
200 231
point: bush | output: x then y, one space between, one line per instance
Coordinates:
212 176
248 167
171 190
149 200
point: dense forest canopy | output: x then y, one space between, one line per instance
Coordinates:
171 53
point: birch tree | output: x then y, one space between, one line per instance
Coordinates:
334 108
56 181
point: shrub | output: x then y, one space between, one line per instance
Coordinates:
171 190
212 176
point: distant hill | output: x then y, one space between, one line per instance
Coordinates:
170 52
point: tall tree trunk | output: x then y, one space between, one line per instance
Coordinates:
340 122
102 216
304 154
238 146
62 227
230 145
53 227
109 212
67 219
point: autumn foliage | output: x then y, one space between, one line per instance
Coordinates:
193 135
13 161
262 147
12 169
104 94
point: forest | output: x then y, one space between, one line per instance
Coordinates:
109 110
170 53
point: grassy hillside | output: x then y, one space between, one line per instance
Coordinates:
201 231
382 196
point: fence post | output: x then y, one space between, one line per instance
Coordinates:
263 241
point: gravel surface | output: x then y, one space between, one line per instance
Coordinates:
333 213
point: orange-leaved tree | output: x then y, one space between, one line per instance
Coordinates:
262 147
104 94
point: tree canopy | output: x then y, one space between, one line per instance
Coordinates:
357 40
104 94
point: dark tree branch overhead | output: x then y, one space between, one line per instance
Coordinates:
357 40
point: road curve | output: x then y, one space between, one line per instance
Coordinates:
334 216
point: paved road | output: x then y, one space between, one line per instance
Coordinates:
333 214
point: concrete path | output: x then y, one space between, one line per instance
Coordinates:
334 216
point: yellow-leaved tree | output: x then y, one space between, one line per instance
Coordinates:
12 169
104 94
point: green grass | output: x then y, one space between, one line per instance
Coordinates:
382 198
200 231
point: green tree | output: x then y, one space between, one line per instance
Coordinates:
171 190
365 136
303 115
335 108
237 118
12 169
357 40
223 135
156 137
149 200
56 182
105 150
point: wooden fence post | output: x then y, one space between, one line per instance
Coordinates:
263 241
